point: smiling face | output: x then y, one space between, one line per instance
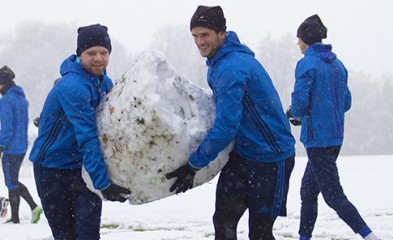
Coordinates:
95 59
207 41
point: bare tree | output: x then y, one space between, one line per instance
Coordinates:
368 123
180 51
35 51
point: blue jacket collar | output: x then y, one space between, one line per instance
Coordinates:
231 44
323 51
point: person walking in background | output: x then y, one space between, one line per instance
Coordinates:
248 112
319 101
14 142
67 140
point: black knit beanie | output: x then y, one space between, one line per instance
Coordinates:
312 30
6 79
93 35
209 17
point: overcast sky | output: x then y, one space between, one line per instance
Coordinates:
360 31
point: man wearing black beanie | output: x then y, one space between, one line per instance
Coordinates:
209 17
249 114
312 30
93 35
320 99
68 140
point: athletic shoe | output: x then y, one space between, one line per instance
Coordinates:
36 214
15 221
3 206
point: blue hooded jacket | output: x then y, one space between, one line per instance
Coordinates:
248 109
67 137
321 97
14 121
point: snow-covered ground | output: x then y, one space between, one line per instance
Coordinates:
367 181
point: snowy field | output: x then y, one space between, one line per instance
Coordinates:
367 181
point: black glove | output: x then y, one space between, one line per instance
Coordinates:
294 120
115 193
185 178
36 121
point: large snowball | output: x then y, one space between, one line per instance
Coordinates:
149 124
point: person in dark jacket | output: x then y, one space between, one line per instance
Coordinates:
248 113
14 142
67 141
319 101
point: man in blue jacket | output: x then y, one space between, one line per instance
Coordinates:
319 101
14 120
248 112
67 140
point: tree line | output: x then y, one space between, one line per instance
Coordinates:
36 60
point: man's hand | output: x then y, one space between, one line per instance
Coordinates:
185 178
294 120
115 193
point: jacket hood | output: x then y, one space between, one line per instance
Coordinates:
71 65
16 90
231 44
323 51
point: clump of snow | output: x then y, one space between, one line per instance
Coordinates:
149 124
